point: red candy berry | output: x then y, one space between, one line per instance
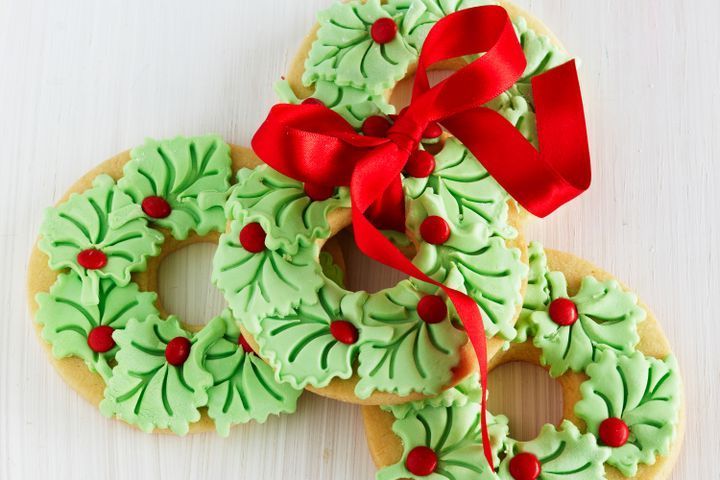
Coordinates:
614 432
245 345
312 101
92 259
563 311
100 339
318 193
156 207
177 351
376 126
432 309
344 332
420 164
435 230
383 30
525 466
421 461
252 237
433 130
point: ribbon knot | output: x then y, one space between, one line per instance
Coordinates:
311 143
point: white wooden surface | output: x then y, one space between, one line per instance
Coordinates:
82 80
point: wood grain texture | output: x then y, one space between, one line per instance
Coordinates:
82 80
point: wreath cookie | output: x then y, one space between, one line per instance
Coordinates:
92 281
622 393
401 343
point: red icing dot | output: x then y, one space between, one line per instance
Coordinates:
433 130
383 30
435 230
100 339
344 332
420 164
421 461
312 101
376 126
525 466
92 259
245 345
318 193
156 207
614 432
432 309
252 237
563 311
177 351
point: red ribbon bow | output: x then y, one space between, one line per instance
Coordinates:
313 144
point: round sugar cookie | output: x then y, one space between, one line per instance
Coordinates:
623 404
364 102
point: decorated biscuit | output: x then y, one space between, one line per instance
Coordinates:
622 393
444 207
93 283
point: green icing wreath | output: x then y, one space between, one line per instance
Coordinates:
157 373
642 394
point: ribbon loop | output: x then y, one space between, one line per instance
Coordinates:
313 143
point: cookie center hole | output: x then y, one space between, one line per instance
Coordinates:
402 92
527 395
364 273
184 284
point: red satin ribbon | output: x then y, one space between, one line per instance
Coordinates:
311 143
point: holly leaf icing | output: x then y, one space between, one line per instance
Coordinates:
454 434
419 356
67 322
642 391
101 218
492 273
279 203
541 54
468 193
243 386
147 391
607 318
353 104
191 174
301 346
417 17
537 292
467 391
515 107
271 282
331 270
345 53
563 454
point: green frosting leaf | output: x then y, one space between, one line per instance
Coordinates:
145 390
331 270
345 53
563 454
515 107
191 174
642 391
419 16
467 391
468 193
271 282
102 218
67 322
280 205
419 356
608 318
492 273
541 54
301 346
352 104
537 293
243 386
454 434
